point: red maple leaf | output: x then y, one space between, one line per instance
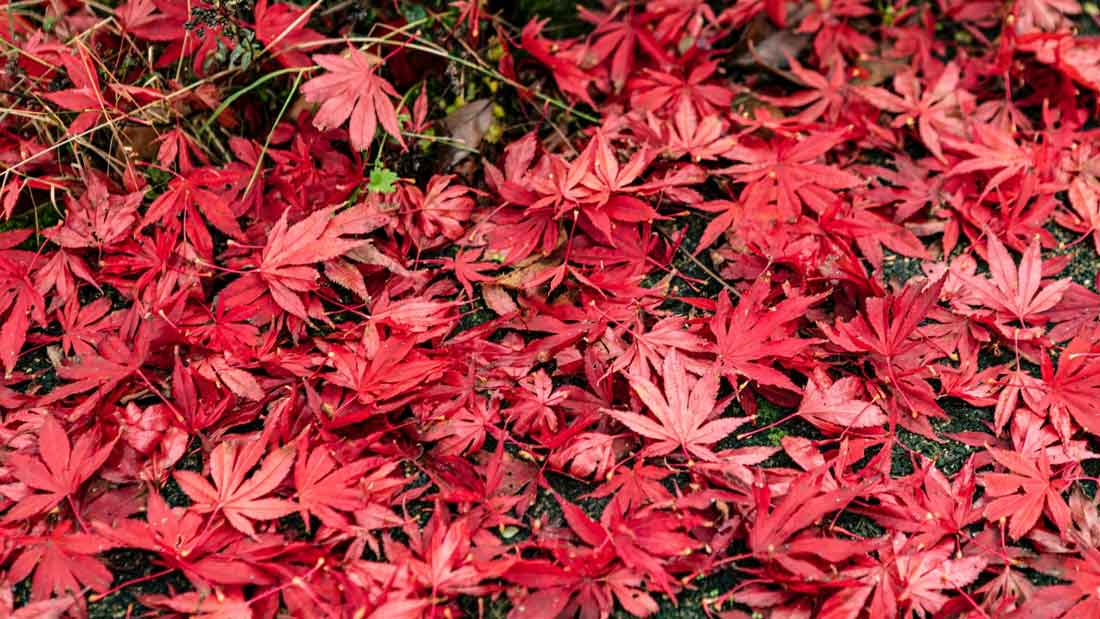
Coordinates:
907 578
351 88
1073 389
621 552
582 581
438 214
224 327
97 218
750 336
828 96
200 604
562 57
649 347
686 412
63 563
634 487
599 187
1076 58
655 90
114 362
1084 194
188 196
380 379
464 429
58 471
177 147
58 278
139 17
217 369
439 556
790 166
776 531
905 507
617 36
1043 15
687 135
886 331
171 25
84 327
836 406
1024 493
192 411
326 488
934 111
282 28
992 150
20 300
86 97
469 11
1017 293
241 500
53 608
285 272
1081 598
468 270
183 539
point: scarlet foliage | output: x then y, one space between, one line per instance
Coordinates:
777 309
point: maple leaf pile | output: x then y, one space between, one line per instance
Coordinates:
749 309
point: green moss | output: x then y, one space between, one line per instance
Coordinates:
575 491
1092 469
690 278
496 607
191 461
898 269
36 364
474 312
126 565
754 435
690 603
948 454
1086 22
859 525
1040 579
562 15
21 592
294 527
1084 264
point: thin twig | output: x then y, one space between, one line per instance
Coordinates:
710 272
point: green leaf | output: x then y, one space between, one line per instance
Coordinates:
382 180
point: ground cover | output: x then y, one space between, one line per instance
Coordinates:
758 309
